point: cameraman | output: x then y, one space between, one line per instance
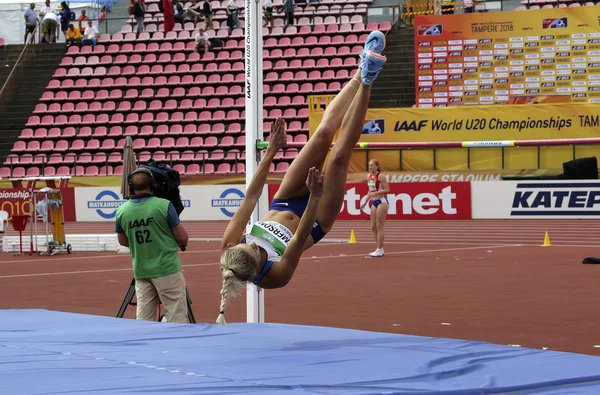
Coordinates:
150 227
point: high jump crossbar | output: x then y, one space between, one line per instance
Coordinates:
455 144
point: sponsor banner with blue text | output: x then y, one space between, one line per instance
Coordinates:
536 199
201 202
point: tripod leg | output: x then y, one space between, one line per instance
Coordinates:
128 299
189 306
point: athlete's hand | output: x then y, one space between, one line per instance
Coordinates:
365 203
278 135
314 182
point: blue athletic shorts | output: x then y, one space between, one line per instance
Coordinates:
379 201
297 206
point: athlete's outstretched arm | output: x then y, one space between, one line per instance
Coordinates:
237 225
283 271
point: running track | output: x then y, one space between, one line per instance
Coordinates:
473 279
429 232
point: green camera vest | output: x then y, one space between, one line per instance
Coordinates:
151 242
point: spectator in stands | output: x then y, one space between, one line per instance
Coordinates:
102 15
468 6
90 36
151 228
65 17
82 17
288 8
30 22
268 14
46 9
131 2
139 10
202 41
232 15
208 15
195 11
178 12
50 27
73 36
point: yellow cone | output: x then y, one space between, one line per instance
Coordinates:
352 237
547 240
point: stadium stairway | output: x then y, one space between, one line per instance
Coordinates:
26 92
8 57
395 85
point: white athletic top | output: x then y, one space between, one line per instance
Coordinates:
272 236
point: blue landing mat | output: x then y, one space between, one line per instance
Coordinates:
45 352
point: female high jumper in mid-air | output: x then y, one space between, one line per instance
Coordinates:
307 204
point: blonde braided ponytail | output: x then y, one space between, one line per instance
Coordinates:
236 268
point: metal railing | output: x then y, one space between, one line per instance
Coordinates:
77 166
113 25
18 69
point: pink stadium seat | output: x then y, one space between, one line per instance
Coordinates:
105 171
49 171
131 131
217 155
210 141
55 159
63 171
179 167
40 134
145 156
33 146
26 134
47 146
189 130
115 157
168 143
99 158
187 156
208 168
159 156
193 169
33 172
175 130
84 158
186 104
241 141
223 168
14 160
197 142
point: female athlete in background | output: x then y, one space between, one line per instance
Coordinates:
378 189
306 205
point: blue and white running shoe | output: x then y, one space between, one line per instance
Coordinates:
375 43
371 65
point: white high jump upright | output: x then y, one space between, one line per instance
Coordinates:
255 299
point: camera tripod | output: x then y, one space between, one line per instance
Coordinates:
131 292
